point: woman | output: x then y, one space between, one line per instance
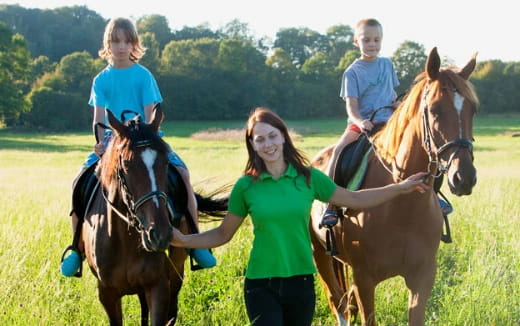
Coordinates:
277 191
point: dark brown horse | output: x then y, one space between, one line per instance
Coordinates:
431 130
127 228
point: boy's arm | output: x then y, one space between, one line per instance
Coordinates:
352 107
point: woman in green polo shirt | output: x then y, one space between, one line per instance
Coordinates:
277 191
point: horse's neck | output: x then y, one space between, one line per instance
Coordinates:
411 156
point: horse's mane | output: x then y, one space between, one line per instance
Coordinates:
123 145
408 114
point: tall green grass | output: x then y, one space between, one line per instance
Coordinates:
478 281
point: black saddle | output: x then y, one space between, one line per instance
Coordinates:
351 156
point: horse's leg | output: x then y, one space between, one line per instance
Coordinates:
364 288
333 289
158 298
144 309
420 285
177 259
111 301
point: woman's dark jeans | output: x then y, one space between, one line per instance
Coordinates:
280 301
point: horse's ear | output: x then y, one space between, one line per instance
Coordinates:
433 64
116 125
469 67
157 117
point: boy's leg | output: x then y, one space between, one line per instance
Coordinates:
330 217
203 257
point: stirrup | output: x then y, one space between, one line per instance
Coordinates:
329 219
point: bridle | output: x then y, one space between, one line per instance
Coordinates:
434 164
434 167
132 206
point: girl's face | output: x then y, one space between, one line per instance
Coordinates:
267 141
368 40
121 48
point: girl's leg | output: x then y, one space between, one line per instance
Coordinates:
203 257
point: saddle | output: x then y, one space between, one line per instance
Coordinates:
351 157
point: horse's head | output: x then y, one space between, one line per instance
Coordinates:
449 104
137 179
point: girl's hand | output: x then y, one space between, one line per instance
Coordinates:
414 183
99 149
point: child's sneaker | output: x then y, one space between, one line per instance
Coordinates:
70 265
445 207
203 257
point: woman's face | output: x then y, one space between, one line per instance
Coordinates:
267 141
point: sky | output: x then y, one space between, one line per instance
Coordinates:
458 28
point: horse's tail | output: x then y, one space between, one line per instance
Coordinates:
213 206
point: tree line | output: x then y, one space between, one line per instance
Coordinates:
49 57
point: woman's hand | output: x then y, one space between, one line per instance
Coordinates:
177 237
414 182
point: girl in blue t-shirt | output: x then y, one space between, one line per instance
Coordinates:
126 88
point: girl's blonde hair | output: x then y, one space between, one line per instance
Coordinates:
131 35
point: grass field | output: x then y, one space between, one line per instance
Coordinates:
478 281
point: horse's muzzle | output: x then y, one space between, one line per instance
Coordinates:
155 239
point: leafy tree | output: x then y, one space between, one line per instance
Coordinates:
40 66
14 75
348 58
197 32
57 32
300 43
156 25
280 61
236 29
409 60
189 57
60 97
340 40
151 59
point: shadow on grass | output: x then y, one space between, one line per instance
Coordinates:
35 146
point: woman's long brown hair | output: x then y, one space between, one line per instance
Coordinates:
255 165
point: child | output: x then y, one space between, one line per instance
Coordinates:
125 86
368 84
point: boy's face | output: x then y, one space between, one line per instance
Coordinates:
368 39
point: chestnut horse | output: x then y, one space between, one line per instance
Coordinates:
431 130
127 228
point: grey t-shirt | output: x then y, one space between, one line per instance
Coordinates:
372 83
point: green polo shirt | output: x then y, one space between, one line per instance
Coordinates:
280 211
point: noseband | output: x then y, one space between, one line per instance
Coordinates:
131 217
433 156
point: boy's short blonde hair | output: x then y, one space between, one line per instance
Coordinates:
367 22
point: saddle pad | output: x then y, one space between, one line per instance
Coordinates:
355 182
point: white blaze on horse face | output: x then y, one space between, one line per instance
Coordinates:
149 156
458 102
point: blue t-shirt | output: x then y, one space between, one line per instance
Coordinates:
129 88
372 83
